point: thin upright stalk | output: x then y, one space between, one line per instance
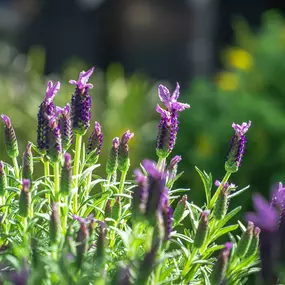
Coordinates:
47 174
16 167
122 181
161 164
78 144
64 215
56 181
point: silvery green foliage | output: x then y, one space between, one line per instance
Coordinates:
121 231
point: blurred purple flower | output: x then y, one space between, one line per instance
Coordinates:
82 82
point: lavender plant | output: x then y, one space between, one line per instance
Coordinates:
71 226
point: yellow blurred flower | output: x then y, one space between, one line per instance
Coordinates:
239 58
227 81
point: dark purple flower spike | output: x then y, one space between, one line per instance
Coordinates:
123 155
65 124
112 162
237 147
168 125
81 103
46 111
54 147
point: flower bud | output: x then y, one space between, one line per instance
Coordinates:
81 103
65 125
3 179
220 267
82 244
54 149
202 230
117 209
179 210
54 226
28 163
10 139
25 199
95 143
108 209
253 247
112 162
101 244
66 176
123 156
245 240
221 204
172 167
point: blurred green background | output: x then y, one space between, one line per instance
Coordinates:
248 86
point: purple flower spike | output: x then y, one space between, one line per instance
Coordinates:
51 91
81 103
95 141
169 101
82 82
112 162
151 168
241 129
6 120
123 157
168 126
237 147
265 217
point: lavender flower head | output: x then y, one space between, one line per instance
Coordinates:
46 111
65 124
82 81
168 125
28 165
95 142
237 147
10 139
265 217
123 155
155 190
81 103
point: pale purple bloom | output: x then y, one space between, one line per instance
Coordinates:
265 216
151 168
6 120
171 101
65 111
241 129
228 185
126 137
164 113
51 91
82 82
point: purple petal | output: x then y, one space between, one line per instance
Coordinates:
6 120
115 142
176 93
126 137
241 129
164 95
179 106
83 79
164 114
51 91
217 183
98 128
151 168
140 178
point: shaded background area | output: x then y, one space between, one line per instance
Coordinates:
228 57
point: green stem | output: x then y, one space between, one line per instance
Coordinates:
161 163
64 215
47 174
217 193
56 181
16 167
78 144
122 181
